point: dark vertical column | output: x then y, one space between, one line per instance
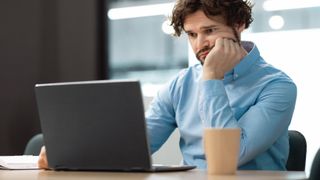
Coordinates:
20 44
43 41
49 64
103 29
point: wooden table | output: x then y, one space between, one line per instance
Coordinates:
185 175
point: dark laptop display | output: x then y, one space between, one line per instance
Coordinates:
95 125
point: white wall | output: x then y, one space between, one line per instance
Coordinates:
169 154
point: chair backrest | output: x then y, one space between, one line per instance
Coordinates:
297 153
315 168
34 145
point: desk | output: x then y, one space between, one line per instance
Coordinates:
184 175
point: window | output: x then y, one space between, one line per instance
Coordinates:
141 48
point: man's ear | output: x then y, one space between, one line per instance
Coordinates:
239 27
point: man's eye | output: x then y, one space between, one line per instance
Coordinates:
192 34
208 31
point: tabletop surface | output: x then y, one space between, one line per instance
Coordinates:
183 175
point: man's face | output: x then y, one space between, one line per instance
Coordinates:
203 32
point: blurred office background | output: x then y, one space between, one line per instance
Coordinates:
56 40
286 32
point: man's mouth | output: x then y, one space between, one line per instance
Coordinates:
202 54
205 54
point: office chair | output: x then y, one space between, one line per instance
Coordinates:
34 145
315 168
297 153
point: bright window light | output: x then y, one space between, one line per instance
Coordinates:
276 22
276 5
140 11
167 28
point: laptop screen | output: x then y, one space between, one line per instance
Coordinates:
94 125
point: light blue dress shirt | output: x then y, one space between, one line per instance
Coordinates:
254 96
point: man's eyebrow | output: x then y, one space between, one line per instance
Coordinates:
202 28
208 27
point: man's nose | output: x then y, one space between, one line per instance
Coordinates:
201 42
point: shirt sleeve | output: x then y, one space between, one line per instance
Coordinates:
263 122
160 119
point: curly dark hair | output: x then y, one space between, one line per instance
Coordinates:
235 12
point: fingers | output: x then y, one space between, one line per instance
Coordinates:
219 43
43 161
231 46
228 45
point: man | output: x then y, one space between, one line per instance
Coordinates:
232 87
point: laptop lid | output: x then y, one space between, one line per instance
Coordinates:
94 125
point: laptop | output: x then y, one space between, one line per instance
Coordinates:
96 125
